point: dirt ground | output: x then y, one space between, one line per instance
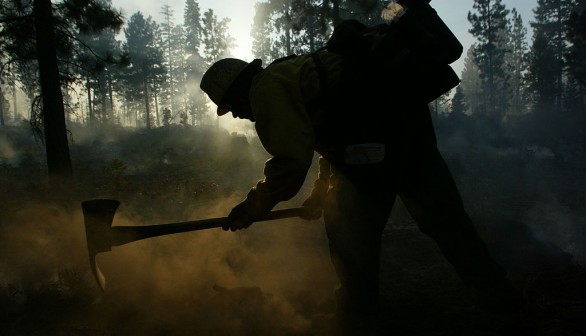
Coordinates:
274 279
422 296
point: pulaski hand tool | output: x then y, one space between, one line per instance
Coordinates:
101 236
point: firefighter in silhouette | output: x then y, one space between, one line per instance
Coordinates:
373 146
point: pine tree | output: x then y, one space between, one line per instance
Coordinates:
471 83
458 104
194 64
283 27
177 73
548 49
192 27
217 41
576 60
176 48
146 62
541 76
489 27
261 32
41 31
516 63
97 56
576 55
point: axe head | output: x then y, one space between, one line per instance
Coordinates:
98 215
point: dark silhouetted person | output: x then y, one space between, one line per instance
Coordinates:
374 144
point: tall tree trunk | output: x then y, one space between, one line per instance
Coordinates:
14 102
58 159
104 114
110 95
157 107
90 106
560 50
146 103
2 121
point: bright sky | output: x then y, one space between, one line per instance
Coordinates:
241 12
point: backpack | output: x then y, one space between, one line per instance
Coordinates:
410 57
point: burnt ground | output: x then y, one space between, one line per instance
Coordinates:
422 296
272 279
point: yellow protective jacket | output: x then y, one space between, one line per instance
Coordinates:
280 97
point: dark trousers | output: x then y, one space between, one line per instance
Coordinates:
360 203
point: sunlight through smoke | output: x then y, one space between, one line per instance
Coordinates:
6 150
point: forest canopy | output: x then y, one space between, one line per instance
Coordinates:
105 69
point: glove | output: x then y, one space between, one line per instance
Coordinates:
248 211
239 218
312 207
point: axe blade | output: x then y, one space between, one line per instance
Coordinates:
98 215
98 275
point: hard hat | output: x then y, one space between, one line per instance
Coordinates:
218 78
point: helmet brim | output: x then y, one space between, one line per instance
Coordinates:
249 67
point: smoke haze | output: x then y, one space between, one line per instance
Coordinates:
274 278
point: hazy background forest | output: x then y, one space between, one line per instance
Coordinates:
97 105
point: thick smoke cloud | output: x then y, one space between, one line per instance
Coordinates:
270 278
